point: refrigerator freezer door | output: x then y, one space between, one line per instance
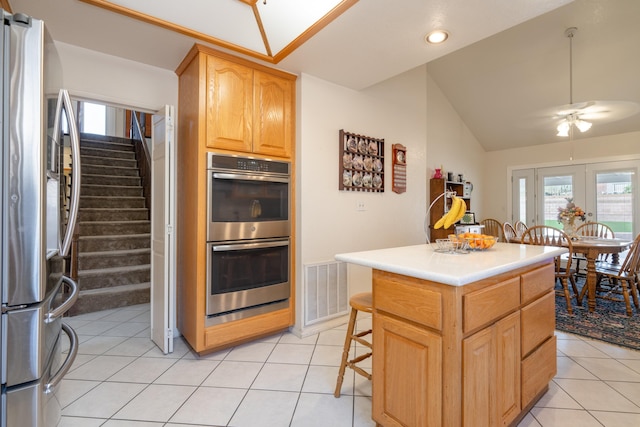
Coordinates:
35 404
24 169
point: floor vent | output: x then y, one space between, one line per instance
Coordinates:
326 291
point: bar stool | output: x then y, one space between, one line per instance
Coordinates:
358 302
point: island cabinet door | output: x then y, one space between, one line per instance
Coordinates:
407 374
491 374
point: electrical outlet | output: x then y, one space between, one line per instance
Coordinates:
360 206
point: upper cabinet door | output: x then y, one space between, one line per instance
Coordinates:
273 115
229 105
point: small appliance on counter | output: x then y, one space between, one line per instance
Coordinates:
469 228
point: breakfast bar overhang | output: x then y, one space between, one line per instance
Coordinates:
460 339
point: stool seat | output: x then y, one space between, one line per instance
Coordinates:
362 302
358 302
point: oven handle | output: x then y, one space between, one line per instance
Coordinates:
235 176
244 246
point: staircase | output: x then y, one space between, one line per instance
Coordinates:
114 227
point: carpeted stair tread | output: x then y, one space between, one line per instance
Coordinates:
135 286
109 170
109 214
107 145
113 242
101 152
108 270
115 236
106 161
114 253
111 179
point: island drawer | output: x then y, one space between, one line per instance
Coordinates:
408 301
538 322
484 306
538 370
536 282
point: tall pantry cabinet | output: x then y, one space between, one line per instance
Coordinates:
234 106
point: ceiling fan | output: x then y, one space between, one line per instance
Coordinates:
582 115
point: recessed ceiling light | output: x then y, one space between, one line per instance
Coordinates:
436 37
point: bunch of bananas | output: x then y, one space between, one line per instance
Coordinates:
457 211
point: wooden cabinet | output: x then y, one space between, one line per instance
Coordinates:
491 369
437 186
401 347
475 355
272 114
229 106
218 112
248 110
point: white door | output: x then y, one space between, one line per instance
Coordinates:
612 196
163 259
523 196
556 185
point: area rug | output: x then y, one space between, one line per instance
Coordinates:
609 322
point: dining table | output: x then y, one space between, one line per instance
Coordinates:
591 248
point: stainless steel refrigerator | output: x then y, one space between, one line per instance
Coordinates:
40 186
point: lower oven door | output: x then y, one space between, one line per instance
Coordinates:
246 274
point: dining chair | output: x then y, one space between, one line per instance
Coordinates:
492 227
509 232
544 235
621 280
593 229
520 227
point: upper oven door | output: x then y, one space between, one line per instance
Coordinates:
249 205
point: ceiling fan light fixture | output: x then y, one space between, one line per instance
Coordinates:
582 125
563 128
436 37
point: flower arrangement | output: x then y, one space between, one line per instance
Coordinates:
570 212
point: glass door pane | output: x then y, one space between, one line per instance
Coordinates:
612 196
555 187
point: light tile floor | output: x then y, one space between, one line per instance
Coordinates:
121 379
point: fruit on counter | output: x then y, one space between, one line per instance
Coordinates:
478 241
457 211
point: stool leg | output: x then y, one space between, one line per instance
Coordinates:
345 351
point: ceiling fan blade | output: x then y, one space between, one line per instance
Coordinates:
597 111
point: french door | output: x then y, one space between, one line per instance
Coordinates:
608 193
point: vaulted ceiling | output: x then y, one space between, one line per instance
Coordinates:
504 68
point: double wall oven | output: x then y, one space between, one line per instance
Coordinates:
248 236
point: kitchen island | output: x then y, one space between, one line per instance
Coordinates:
460 339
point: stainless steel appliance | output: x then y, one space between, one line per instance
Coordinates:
38 160
248 248
248 198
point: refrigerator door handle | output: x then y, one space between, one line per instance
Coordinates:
65 306
63 99
71 356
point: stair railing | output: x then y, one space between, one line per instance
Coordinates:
142 155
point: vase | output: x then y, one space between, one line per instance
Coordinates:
569 227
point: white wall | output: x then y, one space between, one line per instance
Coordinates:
95 76
616 147
327 220
451 145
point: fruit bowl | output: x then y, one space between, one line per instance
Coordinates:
478 242
450 245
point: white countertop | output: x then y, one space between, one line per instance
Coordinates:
423 262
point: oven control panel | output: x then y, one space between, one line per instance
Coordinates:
246 164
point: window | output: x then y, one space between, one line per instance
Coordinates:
94 118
